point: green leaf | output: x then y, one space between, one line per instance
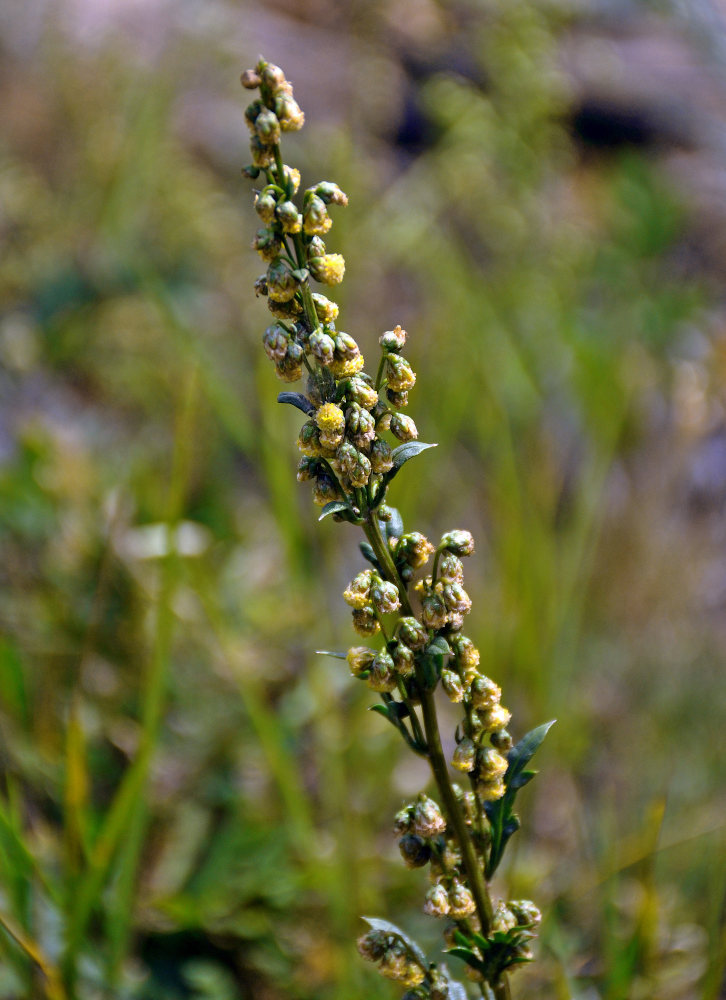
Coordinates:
439 646
521 754
402 454
300 273
383 925
468 956
393 528
297 399
336 507
329 652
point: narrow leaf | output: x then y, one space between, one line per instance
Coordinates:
393 527
369 554
406 451
521 754
388 928
329 652
297 399
335 507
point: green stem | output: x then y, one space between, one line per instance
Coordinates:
437 760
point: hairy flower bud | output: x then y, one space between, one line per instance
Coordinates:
365 622
262 155
403 427
427 818
289 112
393 340
308 440
415 851
451 569
325 489
372 946
265 206
326 311
330 419
290 368
285 310
490 791
437 901
461 543
281 285
358 391
465 651
464 758
268 127
404 661
525 912
485 694
402 820
456 599
491 765
397 399
412 632
381 456
328 268
461 901
381 677
399 374
415 549
292 177
330 193
384 596
360 425
501 740
496 717
289 217
503 920
322 346
267 243
272 76
250 79
345 345
307 469
359 659
433 611
316 221
356 594
451 683
275 340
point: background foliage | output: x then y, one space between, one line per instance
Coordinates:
192 803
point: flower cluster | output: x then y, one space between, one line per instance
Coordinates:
416 618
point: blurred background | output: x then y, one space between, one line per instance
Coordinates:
195 805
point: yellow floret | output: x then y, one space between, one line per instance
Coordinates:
347 366
330 419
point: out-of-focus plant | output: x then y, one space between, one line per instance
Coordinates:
419 618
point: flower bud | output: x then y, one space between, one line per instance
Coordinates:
525 912
359 659
402 820
365 622
381 456
359 472
330 418
385 597
415 549
503 920
399 374
281 285
427 818
484 693
285 310
308 440
316 221
360 425
491 764
292 177
465 651
265 206
490 791
461 901
272 76
451 569
464 758
262 155
268 127
451 683
275 341
330 193
307 469
397 399
496 717
412 633
456 599
404 661
433 611
344 367
359 391
326 311
291 115
461 543
501 740
251 112
250 79
289 217
357 592
403 427
267 243
372 946
437 901
260 285
328 268
381 677
393 340
290 368
415 851
325 489
345 346
322 346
